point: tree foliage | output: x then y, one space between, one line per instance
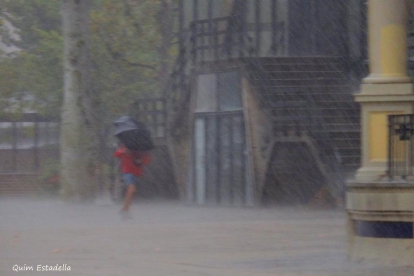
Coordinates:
125 40
129 51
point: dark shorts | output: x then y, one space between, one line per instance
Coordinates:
130 179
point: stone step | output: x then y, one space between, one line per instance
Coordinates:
296 75
330 120
302 89
351 160
334 116
310 96
301 60
304 82
339 112
315 67
342 127
278 102
295 120
339 123
347 143
310 90
346 152
341 136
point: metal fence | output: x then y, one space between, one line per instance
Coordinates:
400 146
27 142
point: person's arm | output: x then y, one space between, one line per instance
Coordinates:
146 159
141 159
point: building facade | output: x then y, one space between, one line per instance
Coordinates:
260 106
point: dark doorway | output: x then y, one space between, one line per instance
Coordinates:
219 159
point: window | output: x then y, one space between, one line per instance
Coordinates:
206 93
219 92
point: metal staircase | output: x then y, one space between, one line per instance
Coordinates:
310 97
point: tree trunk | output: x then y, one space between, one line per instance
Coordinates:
75 146
165 21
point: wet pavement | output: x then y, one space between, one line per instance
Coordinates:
171 239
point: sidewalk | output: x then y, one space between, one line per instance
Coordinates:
173 239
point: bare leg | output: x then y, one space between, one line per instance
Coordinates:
128 197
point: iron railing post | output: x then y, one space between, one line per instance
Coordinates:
390 148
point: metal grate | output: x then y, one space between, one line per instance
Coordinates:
400 146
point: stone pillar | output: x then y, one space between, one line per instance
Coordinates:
387 41
380 212
388 89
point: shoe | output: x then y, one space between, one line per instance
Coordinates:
125 214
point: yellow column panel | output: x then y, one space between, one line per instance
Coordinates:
393 53
378 140
378 135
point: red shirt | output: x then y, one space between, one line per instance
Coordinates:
127 160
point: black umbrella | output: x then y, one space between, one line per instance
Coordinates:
133 134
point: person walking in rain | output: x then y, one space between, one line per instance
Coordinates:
132 164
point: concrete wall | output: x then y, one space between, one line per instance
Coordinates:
258 130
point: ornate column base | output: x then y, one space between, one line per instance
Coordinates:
380 222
